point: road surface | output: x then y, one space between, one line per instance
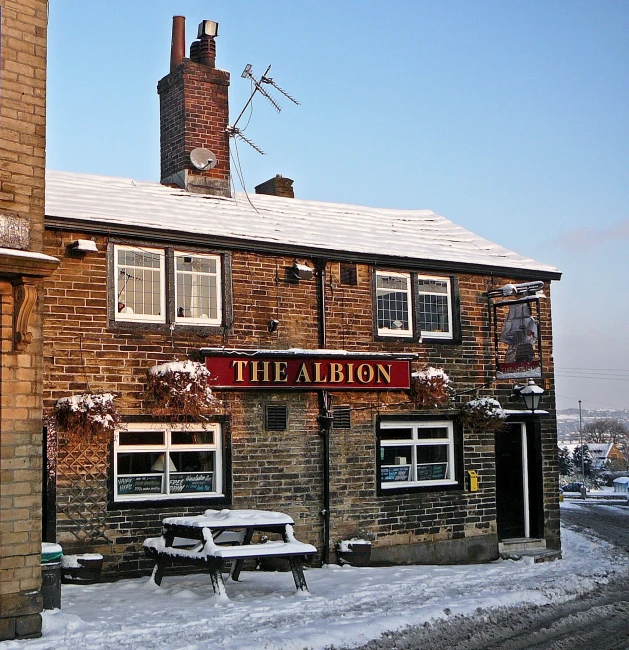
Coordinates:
597 621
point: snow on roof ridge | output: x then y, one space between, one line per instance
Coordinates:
418 234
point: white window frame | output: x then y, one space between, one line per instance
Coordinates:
165 449
219 289
133 317
385 331
428 334
417 441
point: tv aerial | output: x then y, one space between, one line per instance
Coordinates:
257 84
203 159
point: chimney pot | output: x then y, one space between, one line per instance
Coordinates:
207 28
195 51
178 42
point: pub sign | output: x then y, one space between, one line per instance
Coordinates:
517 338
307 372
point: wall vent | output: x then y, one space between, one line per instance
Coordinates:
276 418
342 417
348 273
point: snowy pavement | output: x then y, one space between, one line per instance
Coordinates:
346 606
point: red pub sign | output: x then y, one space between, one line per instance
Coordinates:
306 370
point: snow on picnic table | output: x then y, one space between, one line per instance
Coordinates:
346 606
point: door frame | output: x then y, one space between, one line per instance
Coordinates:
532 481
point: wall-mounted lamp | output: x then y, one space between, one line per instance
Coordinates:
82 246
272 325
531 393
301 271
535 288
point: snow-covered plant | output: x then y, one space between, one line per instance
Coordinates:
482 414
87 417
180 388
430 387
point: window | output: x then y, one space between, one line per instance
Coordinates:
163 461
416 454
393 297
155 285
197 289
415 306
139 284
434 307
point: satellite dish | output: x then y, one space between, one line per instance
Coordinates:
203 159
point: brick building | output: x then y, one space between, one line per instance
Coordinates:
310 318
22 268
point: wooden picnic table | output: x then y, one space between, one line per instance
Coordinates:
220 536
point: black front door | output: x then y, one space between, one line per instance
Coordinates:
519 494
509 482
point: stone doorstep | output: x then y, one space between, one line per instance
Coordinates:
541 555
521 544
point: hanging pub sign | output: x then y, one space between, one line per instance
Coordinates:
517 338
306 370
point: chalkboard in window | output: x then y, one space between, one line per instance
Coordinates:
276 418
392 473
349 274
342 417
190 483
140 484
432 471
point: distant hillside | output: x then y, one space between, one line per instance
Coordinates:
568 420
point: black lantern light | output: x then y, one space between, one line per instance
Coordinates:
531 393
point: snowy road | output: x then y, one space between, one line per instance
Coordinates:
598 620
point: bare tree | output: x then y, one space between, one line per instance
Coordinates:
607 430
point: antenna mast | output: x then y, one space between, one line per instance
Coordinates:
247 73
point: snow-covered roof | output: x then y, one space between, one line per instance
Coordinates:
376 233
598 449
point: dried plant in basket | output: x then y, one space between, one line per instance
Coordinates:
88 417
180 389
482 414
430 388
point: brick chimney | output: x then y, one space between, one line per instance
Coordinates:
194 113
278 186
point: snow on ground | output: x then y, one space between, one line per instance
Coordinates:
346 606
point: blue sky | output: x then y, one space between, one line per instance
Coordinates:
508 117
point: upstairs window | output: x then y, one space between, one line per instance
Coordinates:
434 307
139 284
159 285
393 297
409 305
197 289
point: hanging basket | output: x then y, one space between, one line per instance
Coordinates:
430 388
88 417
482 414
180 389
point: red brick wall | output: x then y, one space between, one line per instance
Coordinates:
194 113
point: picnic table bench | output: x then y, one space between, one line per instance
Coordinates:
220 536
